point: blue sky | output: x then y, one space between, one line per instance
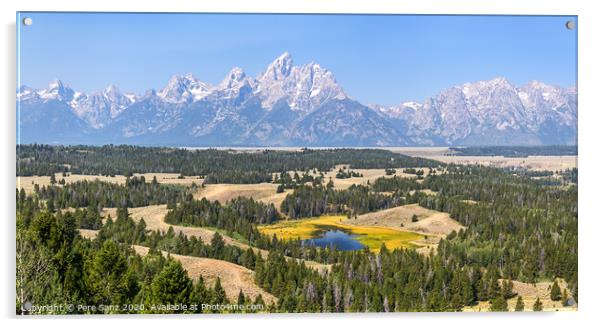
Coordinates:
376 59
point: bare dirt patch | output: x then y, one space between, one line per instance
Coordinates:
233 277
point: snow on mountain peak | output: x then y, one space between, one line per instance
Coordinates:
56 90
537 95
234 77
280 68
483 112
25 91
499 81
236 86
184 88
111 92
55 84
305 87
412 104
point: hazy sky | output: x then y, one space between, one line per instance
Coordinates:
376 59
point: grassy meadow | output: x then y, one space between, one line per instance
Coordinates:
371 236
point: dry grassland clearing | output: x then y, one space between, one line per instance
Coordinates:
530 293
371 236
225 192
154 217
429 221
368 175
418 151
276 199
439 223
233 277
264 192
27 182
88 233
532 162
425 191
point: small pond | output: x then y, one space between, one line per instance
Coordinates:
337 238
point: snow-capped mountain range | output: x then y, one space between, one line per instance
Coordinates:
290 105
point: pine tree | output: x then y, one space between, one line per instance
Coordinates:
555 293
537 306
200 294
108 276
172 285
217 244
219 296
499 304
259 300
241 298
520 305
507 288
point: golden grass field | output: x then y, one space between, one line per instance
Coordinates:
265 192
530 293
154 217
371 236
369 175
429 221
552 163
88 233
233 277
532 162
27 182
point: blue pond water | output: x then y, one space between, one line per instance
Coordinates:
337 238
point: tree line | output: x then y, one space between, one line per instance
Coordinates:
215 165
517 229
136 192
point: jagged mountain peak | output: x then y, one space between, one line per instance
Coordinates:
305 87
279 69
234 77
55 84
537 84
56 90
184 88
304 105
499 80
486 86
112 92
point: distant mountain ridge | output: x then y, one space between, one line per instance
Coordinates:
290 105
